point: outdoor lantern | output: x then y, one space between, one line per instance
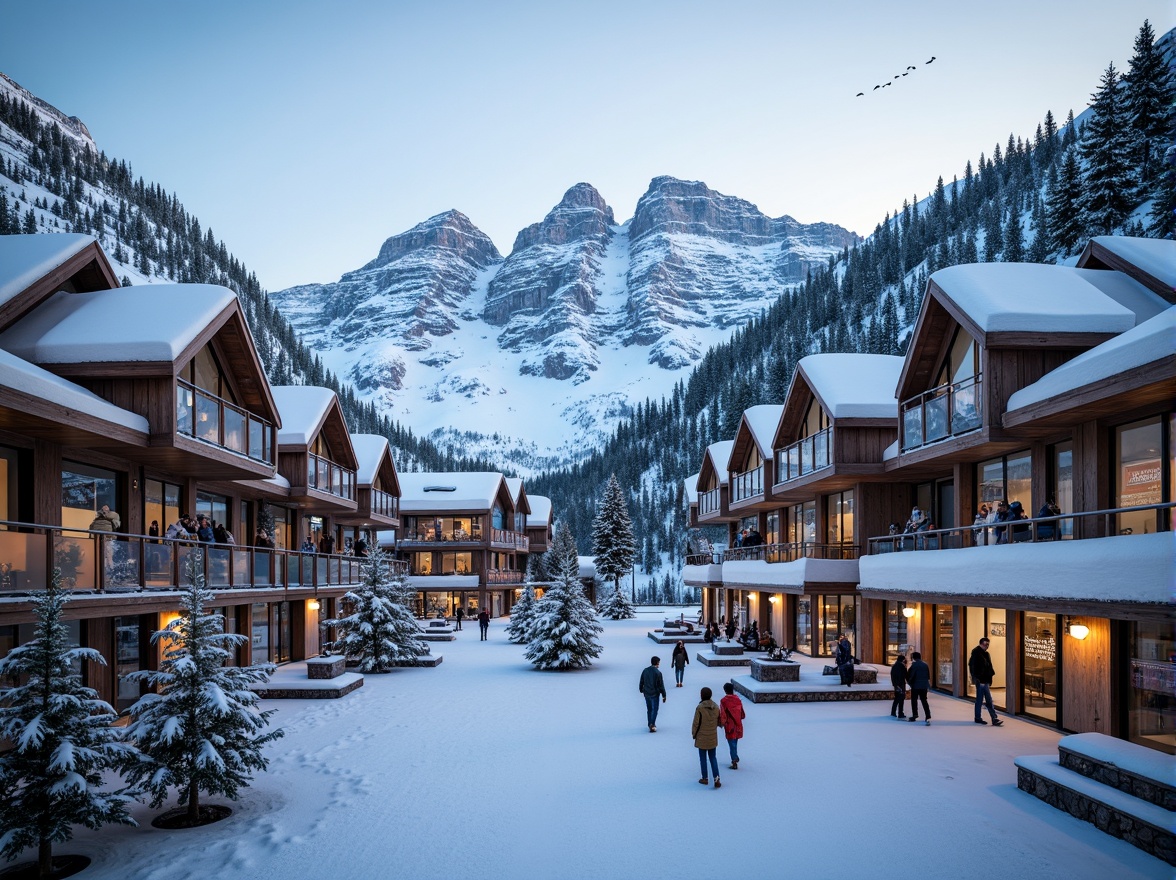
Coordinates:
313 605
908 611
773 599
1077 630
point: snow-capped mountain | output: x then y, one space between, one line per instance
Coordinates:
584 318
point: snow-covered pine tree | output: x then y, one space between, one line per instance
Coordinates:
1149 99
613 543
1110 182
200 728
62 739
617 606
565 630
522 615
381 631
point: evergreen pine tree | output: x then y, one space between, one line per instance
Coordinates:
199 729
1014 240
613 543
522 615
1149 105
1109 186
61 738
617 606
380 631
565 631
1063 206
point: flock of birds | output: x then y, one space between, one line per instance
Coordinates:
884 85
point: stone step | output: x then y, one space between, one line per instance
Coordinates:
1137 770
1140 823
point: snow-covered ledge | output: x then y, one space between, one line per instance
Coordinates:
789 576
702 574
1123 568
444 581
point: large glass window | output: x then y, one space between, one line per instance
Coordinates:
772 528
839 518
896 632
1152 707
1060 489
990 622
837 614
1008 478
944 647
8 483
128 642
420 563
84 490
457 563
1040 681
804 625
161 505
261 633
1139 474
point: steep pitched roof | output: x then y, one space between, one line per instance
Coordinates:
854 386
540 515
303 408
25 259
1152 261
370 452
439 492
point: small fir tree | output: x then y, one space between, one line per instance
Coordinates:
613 543
62 741
381 631
617 606
565 631
199 729
522 615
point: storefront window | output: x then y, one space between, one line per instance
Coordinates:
1138 473
896 632
1152 707
84 490
839 518
261 633
1040 647
127 642
837 614
944 647
804 625
990 622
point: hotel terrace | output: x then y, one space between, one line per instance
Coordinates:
1042 385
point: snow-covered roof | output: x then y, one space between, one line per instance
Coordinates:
540 515
1151 341
789 575
1155 256
30 379
854 386
1039 571
691 486
719 454
26 258
762 421
152 322
438 492
369 450
1001 297
302 408
514 485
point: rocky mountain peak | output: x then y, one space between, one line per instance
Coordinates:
581 214
690 207
449 231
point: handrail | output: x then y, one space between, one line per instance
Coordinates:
790 552
944 411
508 538
748 484
710 501
114 562
1018 531
806 456
385 503
330 476
211 419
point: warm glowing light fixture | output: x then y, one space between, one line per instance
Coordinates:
313 605
1077 630
773 599
908 611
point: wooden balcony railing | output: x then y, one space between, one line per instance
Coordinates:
105 562
790 552
749 484
1066 527
805 456
497 576
214 420
506 538
946 411
328 476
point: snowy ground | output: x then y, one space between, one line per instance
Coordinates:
483 768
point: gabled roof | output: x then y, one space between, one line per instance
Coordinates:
714 461
518 494
846 386
441 492
1152 342
541 512
373 452
757 426
33 267
1151 261
690 484
153 323
304 409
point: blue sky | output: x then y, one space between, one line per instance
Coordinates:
306 133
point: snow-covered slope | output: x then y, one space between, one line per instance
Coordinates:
543 352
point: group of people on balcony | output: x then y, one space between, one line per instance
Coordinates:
998 523
749 538
202 529
326 546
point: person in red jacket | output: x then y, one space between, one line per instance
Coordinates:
731 716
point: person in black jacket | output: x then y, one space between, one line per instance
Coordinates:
898 678
980 665
652 685
919 678
844 660
680 659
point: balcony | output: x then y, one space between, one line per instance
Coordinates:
327 476
943 412
213 420
502 576
710 502
509 540
385 504
805 456
1066 527
105 563
790 552
747 485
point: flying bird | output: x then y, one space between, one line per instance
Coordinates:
908 73
859 94
875 88
910 67
932 59
884 85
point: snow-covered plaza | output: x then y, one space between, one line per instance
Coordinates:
485 768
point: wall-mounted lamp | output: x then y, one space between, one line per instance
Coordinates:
1077 630
773 599
313 605
908 612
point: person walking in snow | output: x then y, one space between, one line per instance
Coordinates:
705 730
680 659
731 716
484 624
731 627
980 666
844 660
919 678
898 678
460 615
651 686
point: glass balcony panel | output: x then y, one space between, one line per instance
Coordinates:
806 455
793 462
75 556
22 561
293 569
218 566
239 559
965 415
321 569
821 450
185 406
207 418
263 567
912 427
936 416
257 440
235 436
158 560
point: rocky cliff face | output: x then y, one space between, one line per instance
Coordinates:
582 302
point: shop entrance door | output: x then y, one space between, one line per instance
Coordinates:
990 622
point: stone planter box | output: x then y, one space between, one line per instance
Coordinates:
861 674
775 670
325 667
732 649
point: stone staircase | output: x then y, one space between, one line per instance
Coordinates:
1123 789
